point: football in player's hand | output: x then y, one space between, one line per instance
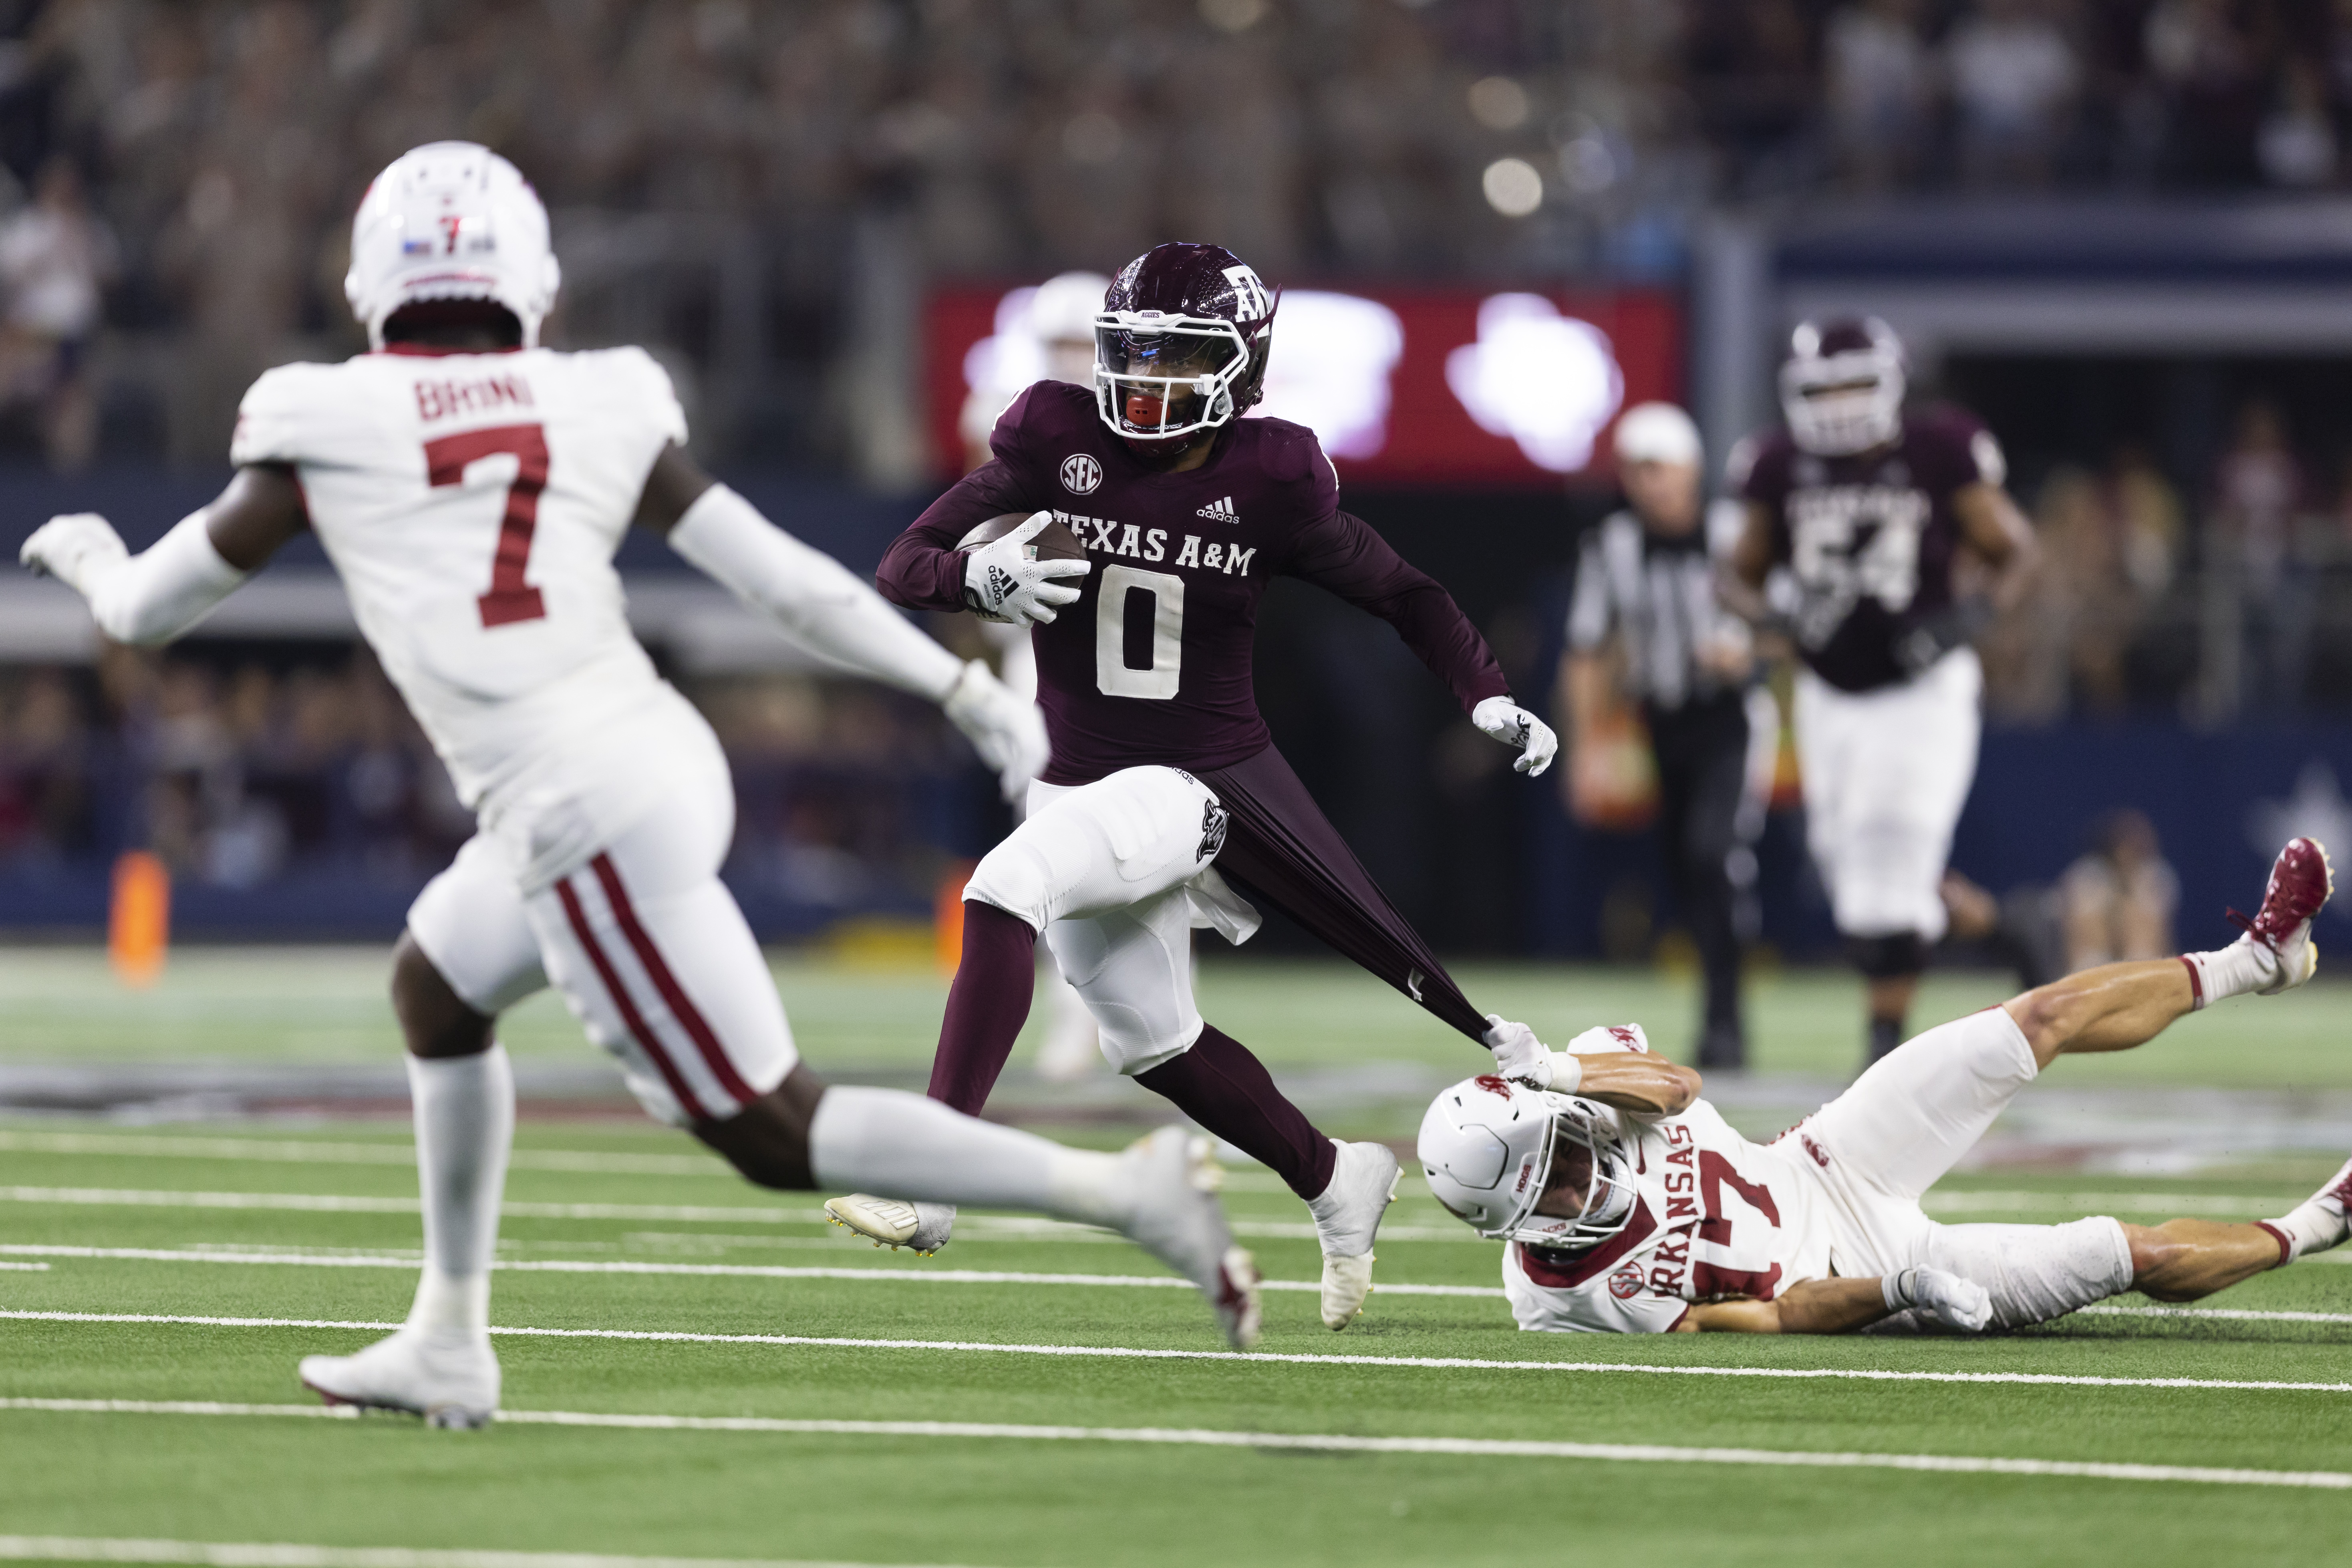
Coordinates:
1054 541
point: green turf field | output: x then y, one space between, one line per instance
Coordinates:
304 1232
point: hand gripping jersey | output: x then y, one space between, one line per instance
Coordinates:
1714 1215
472 504
1869 539
1151 665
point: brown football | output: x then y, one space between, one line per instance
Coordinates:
1054 541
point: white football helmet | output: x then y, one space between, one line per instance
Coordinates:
1842 385
1487 1147
451 220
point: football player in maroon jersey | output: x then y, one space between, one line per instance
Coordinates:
1881 517
1166 806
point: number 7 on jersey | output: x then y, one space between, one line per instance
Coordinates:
510 599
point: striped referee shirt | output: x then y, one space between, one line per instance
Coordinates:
1658 594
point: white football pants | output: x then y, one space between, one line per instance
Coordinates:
1885 775
1903 1124
647 945
1117 875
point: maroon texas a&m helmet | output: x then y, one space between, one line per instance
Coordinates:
1842 385
1180 345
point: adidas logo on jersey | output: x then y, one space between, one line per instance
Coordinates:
1220 511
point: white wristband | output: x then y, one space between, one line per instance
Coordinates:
1567 1072
1895 1288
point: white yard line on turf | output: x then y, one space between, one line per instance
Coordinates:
249 1554
26 1268
1126 1352
1479 1447
985 1228
280 1150
901 1275
2237 1314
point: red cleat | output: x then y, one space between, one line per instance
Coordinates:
2301 882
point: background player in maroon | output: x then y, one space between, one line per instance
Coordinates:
1899 544
1165 781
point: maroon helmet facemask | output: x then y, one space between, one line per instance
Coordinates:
1182 344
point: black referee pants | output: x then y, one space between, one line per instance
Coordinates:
1702 751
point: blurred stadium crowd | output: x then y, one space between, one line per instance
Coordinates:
223 144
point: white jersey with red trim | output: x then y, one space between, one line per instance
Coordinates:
472 504
1714 1215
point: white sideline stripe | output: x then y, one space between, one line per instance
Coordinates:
233 1554
724 1270
988 1226
300 1153
1125 1352
1496 1447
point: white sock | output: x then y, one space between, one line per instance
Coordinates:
2313 1225
2244 965
900 1145
465 1127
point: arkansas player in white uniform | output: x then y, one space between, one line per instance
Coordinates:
1630 1206
471 489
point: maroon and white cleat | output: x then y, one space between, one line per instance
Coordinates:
2301 882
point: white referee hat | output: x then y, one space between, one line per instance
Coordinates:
1657 433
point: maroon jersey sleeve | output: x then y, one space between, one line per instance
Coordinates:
1342 553
1758 470
1949 450
923 570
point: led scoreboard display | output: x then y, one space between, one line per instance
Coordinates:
1436 387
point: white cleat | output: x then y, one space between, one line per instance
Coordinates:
894 1223
1347 1216
451 1380
1178 1219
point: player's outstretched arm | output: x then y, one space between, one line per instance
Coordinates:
1842 1306
160 593
1345 556
1739 576
823 606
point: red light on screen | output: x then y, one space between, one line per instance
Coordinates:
1451 386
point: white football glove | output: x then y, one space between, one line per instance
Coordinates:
1005 730
1517 1053
1515 726
76 549
1954 1303
1000 583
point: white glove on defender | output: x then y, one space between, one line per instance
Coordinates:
1515 726
76 549
1954 1303
1000 583
1005 730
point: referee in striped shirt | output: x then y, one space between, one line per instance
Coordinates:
1645 627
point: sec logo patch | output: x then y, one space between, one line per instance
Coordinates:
1625 1283
1080 474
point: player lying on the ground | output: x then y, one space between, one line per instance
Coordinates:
471 488
1630 1206
1165 783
